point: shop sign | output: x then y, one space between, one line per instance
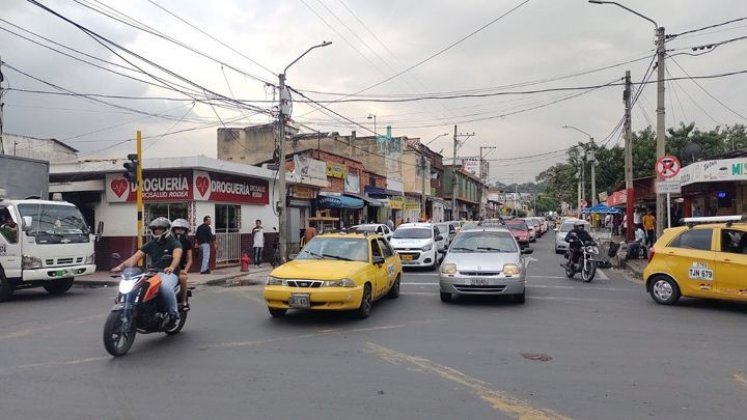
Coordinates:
211 186
394 185
472 166
397 203
336 170
617 198
303 193
308 167
161 186
412 205
352 183
714 170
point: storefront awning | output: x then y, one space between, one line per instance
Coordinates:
371 202
332 201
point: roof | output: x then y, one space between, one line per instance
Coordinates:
415 225
72 149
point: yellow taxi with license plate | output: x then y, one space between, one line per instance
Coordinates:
336 271
707 258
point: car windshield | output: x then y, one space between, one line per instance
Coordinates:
517 226
412 233
347 249
567 227
55 223
481 241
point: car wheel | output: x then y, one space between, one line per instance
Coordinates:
58 287
445 297
364 310
6 287
277 312
394 291
664 290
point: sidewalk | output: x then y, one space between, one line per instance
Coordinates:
230 275
634 266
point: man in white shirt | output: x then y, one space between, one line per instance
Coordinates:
258 242
634 248
636 218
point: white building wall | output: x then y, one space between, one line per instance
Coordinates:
252 212
120 219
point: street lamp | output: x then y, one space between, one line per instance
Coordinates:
660 106
373 116
283 115
436 138
592 158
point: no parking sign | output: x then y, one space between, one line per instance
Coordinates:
667 166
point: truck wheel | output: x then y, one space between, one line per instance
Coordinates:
6 287
58 287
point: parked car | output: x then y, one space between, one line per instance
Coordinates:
448 231
561 245
705 259
418 244
520 230
335 271
484 261
379 228
535 231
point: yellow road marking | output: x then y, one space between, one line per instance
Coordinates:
501 401
299 336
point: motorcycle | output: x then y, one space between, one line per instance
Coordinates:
586 264
138 309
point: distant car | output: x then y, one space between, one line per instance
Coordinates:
418 244
561 245
448 231
379 228
470 225
485 261
520 230
335 271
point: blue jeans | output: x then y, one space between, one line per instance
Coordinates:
168 282
205 251
257 255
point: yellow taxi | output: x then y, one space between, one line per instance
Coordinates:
336 271
707 258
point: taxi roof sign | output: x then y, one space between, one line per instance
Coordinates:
713 219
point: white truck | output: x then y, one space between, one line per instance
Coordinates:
42 243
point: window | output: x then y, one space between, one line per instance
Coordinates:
170 211
375 250
388 252
734 241
227 218
8 228
694 239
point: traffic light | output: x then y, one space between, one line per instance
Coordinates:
131 168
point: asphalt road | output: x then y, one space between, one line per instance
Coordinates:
602 350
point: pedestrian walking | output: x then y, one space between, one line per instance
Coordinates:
205 237
258 236
649 225
309 233
390 223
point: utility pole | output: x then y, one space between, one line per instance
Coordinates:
423 169
660 113
2 105
628 160
284 114
578 193
454 183
593 159
483 175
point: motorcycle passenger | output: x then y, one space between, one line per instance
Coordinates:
180 230
576 239
163 244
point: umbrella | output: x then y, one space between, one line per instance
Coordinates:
601 208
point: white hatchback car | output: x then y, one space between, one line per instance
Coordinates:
418 244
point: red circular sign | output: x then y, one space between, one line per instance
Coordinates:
667 166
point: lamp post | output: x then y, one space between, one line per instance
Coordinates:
284 114
373 117
436 138
660 105
590 155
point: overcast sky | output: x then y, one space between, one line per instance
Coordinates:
534 44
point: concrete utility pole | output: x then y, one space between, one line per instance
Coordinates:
284 115
590 153
455 184
628 159
2 105
423 169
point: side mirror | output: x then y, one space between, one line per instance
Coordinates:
99 230
527 251
27 221
378 260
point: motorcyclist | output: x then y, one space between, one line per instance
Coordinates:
162 245
180 230
576 239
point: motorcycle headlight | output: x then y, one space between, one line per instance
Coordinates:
449 268
126 286
274 281
30 263
90 259
511 270
339 283
427 247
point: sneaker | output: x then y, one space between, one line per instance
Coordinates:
205 272
172 322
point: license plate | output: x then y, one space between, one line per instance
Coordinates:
478 282
59 273
406 257
299 301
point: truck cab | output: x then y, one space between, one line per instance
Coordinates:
43 244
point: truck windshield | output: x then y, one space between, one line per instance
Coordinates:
55 223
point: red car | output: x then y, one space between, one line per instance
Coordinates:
520 230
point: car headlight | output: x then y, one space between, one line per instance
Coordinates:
448 268
511 269
339 283
90 259
274 281
31 262
427 247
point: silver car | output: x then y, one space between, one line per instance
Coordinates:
484 261
561 245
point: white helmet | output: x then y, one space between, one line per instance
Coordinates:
160 223
180 223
